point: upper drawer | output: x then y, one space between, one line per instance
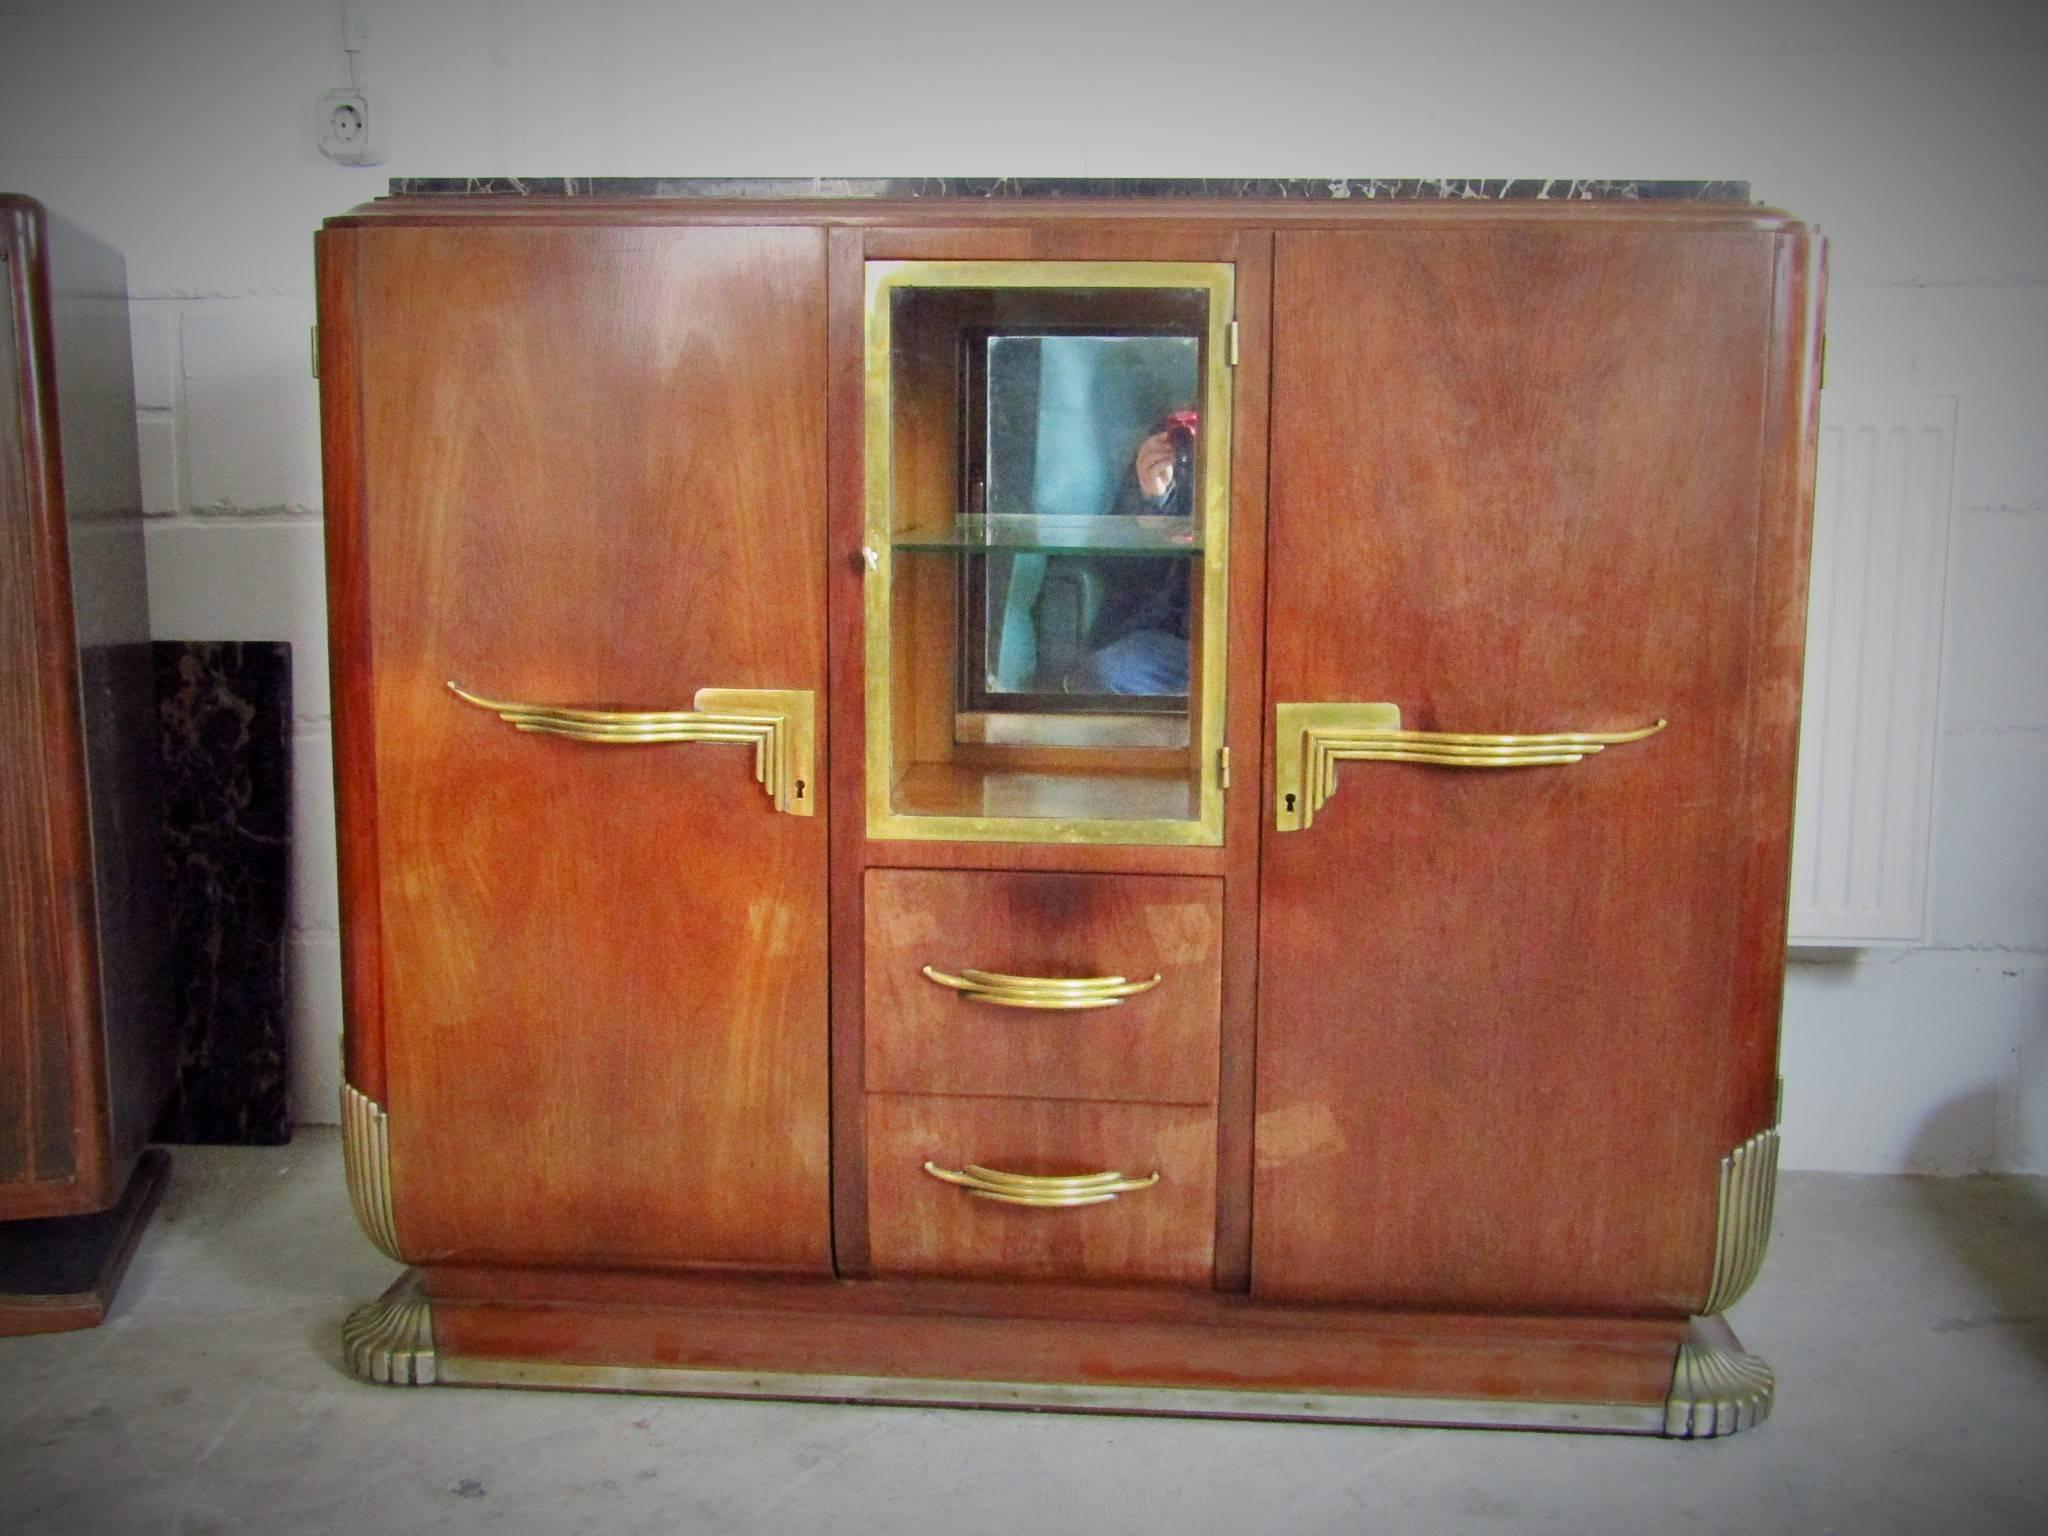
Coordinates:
1155 1046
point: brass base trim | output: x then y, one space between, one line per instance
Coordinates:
366 1156
1176 1402
391 1340
1717 1387
1742 1228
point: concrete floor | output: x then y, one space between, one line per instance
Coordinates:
1907 1320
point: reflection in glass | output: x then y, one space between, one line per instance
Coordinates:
1046 521
1087 464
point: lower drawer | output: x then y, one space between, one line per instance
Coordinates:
919 1224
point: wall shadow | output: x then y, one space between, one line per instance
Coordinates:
1996 1225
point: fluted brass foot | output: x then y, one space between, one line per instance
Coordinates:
1718 1387
391 1339
366 1155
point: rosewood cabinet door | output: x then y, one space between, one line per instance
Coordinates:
1509 1015
592 479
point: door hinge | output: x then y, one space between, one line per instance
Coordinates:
1230 345
1823 359
316 351
1223 767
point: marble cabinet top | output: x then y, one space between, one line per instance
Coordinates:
1321 188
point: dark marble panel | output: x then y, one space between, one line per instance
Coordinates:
1308 187
225 711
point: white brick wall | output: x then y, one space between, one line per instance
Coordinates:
1912 130
252 423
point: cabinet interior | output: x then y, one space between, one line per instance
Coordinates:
1048 513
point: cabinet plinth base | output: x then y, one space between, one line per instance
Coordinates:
61 1272
1073 1349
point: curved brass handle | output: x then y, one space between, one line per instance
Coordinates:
1049 992
1050 1191
778 723
1311 739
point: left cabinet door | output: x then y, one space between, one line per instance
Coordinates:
581 468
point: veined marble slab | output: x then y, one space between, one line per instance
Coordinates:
1313 188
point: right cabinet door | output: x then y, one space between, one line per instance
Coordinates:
1526 483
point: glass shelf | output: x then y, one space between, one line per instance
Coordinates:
1022 533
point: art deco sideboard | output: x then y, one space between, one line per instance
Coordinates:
1173 804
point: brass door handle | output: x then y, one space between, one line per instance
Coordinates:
1054 1191
778 723
1048 992
1311 739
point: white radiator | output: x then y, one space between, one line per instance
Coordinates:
1860 841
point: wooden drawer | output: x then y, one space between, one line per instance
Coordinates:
1159 1046
921 1225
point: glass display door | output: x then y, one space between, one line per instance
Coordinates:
1048 449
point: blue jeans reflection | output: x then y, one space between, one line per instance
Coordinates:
1145 661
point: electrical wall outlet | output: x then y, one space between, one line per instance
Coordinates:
349 127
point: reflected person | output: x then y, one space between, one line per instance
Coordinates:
1141 640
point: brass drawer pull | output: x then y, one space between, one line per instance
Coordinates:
1049 1191
1051 992
1310 740
778 723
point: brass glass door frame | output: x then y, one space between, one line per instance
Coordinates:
883 280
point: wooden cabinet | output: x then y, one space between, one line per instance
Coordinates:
88 1038
1181 806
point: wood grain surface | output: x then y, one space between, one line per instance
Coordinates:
351 662
1159 1046
1518 486
87 1037
991 1330
919 1225
1749 1092
45 885
845 714
592 467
